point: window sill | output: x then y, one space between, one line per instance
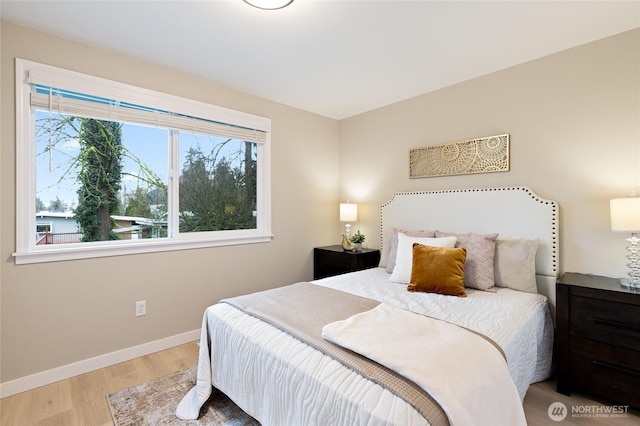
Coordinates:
89 251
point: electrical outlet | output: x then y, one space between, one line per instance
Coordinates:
141 308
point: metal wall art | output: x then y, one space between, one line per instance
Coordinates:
483 155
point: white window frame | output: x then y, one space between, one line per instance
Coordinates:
26 249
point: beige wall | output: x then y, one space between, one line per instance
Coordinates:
574 121
575 138
54 314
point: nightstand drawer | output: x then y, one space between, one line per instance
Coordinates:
336 261
333 260
607 370
598 338
331 267
606 321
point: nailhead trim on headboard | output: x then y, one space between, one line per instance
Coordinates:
528 191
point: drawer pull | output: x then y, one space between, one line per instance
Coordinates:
616 367
615 324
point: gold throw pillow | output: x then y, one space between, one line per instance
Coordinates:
438 270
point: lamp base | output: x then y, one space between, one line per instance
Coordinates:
633 286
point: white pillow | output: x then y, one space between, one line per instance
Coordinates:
404 256
393 244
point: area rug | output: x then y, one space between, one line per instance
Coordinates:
154 403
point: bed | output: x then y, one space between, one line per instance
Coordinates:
481 351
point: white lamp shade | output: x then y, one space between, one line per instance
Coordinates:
625 214
348 212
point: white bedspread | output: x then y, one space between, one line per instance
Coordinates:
519 322
281 381
435 355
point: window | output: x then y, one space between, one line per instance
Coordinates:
42 229
129 170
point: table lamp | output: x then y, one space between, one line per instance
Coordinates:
348 213
625 217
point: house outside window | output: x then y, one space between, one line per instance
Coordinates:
135 170
42 229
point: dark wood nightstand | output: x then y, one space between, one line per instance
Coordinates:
333 260
598 338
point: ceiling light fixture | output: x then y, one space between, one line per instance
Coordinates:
269 4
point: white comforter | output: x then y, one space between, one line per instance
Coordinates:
519 322
281 381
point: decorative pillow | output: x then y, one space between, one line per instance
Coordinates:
515 264
393 244
438 270
481 248
402 271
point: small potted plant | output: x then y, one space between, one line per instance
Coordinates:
357 239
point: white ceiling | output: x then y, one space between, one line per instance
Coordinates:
333 58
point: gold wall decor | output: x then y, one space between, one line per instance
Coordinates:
483 155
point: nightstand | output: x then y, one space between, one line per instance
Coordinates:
333 260
598 338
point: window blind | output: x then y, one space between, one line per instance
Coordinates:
80 104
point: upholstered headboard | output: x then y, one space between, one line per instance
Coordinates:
510 212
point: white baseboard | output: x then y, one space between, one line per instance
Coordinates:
70 370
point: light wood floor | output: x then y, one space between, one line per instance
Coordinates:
82 400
